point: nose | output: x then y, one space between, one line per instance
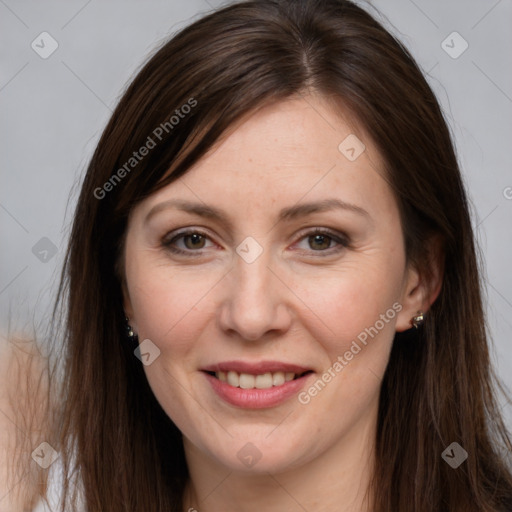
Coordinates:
255 300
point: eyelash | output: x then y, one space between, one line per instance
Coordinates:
338 238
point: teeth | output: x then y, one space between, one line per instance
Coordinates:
264 381
278 378
247 381
233 379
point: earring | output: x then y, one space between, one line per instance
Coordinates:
418 319
129 331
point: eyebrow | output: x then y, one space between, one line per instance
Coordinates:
286 214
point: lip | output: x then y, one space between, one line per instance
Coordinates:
256 368
256 398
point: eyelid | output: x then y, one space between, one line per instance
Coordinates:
323 231
184 231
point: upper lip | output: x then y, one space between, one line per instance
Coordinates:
255 368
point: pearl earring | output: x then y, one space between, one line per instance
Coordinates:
129 331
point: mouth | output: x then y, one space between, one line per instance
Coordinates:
265 380
256 385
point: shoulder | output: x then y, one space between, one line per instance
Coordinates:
21 424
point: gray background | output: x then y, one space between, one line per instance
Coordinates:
53 111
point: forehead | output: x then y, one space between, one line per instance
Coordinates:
292 150
305 130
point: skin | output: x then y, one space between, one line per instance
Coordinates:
291 304
22 412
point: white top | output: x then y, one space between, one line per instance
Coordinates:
54 492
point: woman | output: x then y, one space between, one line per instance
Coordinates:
271 287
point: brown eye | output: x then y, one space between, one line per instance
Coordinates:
319 242
194 241
323 242
187 243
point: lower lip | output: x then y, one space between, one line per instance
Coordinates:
257 398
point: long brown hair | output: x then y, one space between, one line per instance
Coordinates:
438 387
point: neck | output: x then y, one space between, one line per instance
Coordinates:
338 480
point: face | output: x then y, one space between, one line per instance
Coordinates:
270 280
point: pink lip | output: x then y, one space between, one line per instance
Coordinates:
255 368
256 398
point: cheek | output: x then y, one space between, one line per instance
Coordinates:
168 306
167 301
360 312
350 301
356 310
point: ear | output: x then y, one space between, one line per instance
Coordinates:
127 303
422 285
119 270
128 307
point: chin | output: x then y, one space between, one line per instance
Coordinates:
260 454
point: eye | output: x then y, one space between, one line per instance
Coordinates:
193 241
190 241
321 240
